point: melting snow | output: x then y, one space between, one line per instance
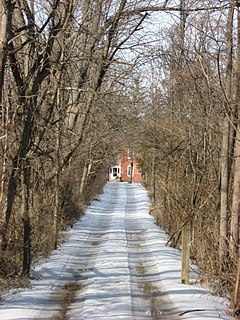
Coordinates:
114 265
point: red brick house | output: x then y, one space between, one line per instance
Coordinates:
125 169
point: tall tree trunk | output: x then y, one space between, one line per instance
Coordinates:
56 215
235 210
224 192
14 178
153 177
84 177
4 16
226 143
234 229
26 263
236 295
4 13
4 132
183 20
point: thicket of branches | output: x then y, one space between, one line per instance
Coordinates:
80 77
190 139
59 71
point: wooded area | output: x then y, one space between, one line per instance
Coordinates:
82 79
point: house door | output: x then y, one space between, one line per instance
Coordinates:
115 172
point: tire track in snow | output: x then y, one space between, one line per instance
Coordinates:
108 294
146 280
123 281
114 265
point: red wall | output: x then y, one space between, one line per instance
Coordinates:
125 163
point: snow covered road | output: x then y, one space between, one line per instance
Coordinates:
114 264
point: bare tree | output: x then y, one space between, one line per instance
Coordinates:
225 152
235 209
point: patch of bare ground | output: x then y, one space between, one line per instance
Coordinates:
149 292
161 308
66 297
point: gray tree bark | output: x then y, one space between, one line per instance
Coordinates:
225 152
235 210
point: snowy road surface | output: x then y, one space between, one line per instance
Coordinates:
114 264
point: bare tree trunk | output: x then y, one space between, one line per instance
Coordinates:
225 153
83 179
183 19
15 172
186 234
89 168
4 138
26 263
236 295
4 14
3 50
56 212
234 228
56 217
153 178
88 40
224 192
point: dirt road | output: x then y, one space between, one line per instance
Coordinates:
113 265
118 272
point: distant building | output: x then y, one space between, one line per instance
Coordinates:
125 169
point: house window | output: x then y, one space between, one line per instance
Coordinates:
130 168
115 171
